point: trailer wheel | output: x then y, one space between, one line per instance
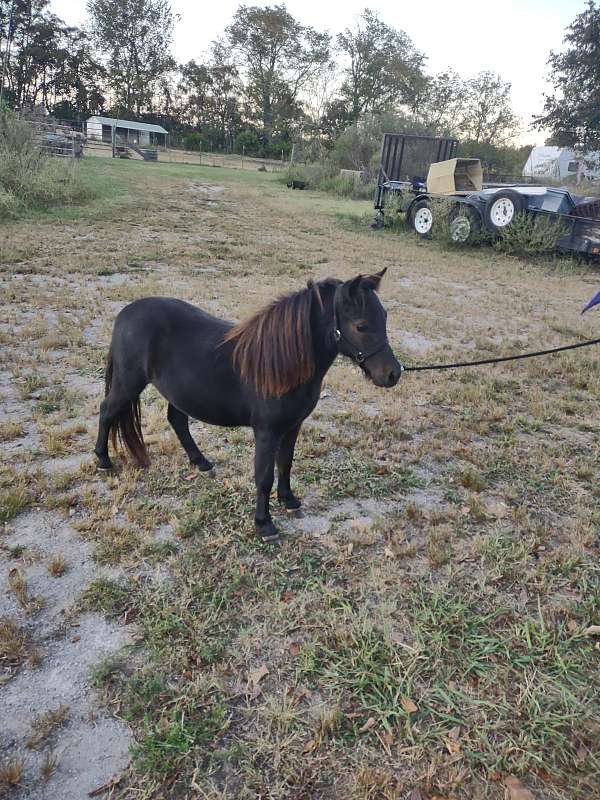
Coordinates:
465 224
421 218
502 208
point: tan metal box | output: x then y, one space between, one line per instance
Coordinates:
455 175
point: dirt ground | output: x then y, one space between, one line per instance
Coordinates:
426 628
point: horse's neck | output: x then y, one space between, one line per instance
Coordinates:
322 331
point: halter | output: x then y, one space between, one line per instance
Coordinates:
356 355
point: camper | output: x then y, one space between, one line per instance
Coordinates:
559 163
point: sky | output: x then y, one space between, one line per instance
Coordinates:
512 37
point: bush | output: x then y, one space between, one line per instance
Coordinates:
247 142
29 179
320 176
531 235
193 141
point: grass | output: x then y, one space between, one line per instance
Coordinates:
13 502
46 724
106 596
29 178
58 566
10 431
437 653
13 644
11 770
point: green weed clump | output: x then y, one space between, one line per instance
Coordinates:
530 235
323 178
30 180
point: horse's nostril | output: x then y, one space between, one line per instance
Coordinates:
393 378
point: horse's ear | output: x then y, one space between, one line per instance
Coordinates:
352 288
314 288
373 281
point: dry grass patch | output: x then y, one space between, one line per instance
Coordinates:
11 771
58 566
13 644
46 724
10 431
49 765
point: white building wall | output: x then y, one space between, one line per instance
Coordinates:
94 128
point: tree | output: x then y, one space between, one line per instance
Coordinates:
440 105
572 113
210 101
487 110
46 62
136 37
383 69
277 56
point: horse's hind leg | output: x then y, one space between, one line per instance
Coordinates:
121 394
110 408
180 424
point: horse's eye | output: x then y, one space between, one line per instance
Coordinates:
362 327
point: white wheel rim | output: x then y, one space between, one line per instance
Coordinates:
502 212
423 220
460 229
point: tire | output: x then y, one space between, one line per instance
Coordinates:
465 224
421 219
501 209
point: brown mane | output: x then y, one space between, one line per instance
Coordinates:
273 350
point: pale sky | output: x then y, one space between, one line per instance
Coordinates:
511 37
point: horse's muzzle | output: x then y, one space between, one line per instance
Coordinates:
385 371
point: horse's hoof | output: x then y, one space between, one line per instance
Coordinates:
268 533
290 502
104 465
203 464
274 539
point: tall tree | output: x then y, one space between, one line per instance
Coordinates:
209 100
136 36
572 113
487 114
383 68
440 104
278 56
46 62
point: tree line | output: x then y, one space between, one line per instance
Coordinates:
269 81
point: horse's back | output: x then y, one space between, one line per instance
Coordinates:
179 348
170 315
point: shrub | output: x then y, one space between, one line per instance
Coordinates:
193 141
531 235
29 179
247 142
322 176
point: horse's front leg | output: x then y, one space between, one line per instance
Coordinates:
266 444
285 456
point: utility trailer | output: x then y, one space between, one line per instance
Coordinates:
407 159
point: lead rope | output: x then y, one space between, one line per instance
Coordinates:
482 361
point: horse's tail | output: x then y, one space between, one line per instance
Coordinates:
126 427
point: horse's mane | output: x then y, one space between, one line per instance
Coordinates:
273 350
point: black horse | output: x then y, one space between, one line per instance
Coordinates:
265 373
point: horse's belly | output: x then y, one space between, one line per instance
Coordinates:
206 406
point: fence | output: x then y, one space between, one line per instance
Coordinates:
211 159
57 139
171 155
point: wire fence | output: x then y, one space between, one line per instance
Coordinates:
172 155
58 139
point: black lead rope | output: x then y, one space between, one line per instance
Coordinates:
479 363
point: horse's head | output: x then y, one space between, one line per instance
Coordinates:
360 329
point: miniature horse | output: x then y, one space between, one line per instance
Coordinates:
265 373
